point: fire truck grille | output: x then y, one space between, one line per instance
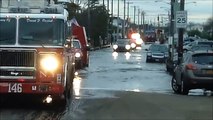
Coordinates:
17 58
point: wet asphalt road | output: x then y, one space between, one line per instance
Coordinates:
107 78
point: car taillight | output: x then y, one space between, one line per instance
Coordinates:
191 67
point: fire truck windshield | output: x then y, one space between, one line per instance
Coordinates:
7 31
41 31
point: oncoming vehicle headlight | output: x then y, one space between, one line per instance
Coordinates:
115 47
149 54
135 36
133 45
127 47
49 62
77 55
139 41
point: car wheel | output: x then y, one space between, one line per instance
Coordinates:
184 89
167 68
148 60
176 88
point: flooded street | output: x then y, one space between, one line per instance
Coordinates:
117 86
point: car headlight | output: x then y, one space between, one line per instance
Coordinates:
115 47
49 62
166 55
127 47
77 55
133 45
149 54
139 41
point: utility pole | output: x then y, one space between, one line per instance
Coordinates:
112 7
128 18
138 17
143 13
134 13
118 21
108 5
124 21
142 18
180 36
128 9
171 38
88 19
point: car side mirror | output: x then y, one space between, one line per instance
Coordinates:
68 43
88 48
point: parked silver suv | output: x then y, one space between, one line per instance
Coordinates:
194 72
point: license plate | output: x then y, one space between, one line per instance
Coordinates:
15 88
157 59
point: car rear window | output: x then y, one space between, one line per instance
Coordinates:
206 43
203 58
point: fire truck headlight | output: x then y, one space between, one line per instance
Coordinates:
77 55
127 47
49 63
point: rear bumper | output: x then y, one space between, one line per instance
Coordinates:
121 49
199 82
157 58
31 88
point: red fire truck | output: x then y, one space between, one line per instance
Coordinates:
36 58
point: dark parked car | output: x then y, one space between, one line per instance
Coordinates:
171 64
210 43
197 45
201 47
157 52
122 45
194 72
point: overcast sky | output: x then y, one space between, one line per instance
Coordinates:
198 10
